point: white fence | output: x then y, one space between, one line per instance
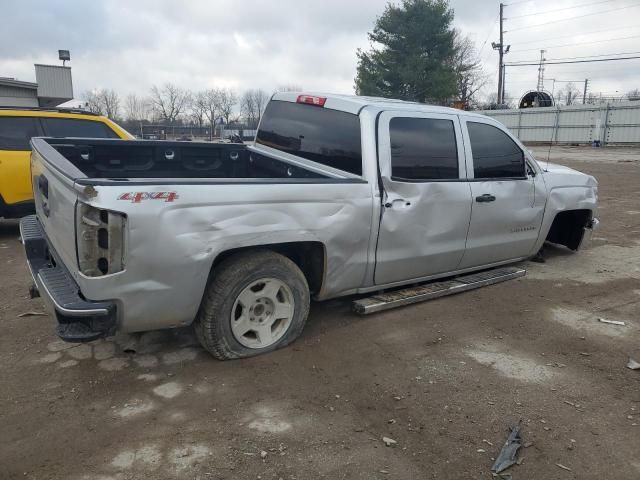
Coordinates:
611 123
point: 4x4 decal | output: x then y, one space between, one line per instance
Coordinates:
137 197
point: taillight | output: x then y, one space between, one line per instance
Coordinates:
311 100
100 240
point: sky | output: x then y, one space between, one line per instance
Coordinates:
130 45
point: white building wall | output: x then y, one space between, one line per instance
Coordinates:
613 123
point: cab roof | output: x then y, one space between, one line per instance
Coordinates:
353 103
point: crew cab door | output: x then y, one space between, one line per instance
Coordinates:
426 200
508 195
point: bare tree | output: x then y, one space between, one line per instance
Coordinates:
210 103
93 102
197 108
470 77
570 93
103 102
261 98
252 104
169 102
111 102
137 110
248 108
634 95
228 100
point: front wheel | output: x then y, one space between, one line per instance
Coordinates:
255 302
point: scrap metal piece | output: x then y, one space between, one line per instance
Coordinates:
633 365
507 456
611 322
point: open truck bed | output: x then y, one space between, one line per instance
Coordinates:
149 160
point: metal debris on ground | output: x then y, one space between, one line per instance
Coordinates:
33 314
389 442
563 467
633 365
507 456
611 322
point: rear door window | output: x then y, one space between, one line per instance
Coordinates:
326 136
423 149
495 155
16 132
71 127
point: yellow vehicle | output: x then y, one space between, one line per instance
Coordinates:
17 126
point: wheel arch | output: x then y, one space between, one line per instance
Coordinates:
309 256
568 227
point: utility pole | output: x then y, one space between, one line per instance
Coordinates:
502 51
584 93
541 71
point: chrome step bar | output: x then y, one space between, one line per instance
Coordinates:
430 291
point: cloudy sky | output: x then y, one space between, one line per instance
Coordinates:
130 45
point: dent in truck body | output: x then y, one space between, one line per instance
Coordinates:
331 214
567 190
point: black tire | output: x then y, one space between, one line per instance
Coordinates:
228 280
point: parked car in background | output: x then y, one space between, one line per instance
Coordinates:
338 195
18 126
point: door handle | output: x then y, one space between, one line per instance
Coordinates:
397 202
485 198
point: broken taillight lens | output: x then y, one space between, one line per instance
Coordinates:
99 240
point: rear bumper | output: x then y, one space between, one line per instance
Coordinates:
79 320
16 210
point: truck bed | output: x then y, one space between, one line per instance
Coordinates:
137 159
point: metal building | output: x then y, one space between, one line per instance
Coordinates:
52 87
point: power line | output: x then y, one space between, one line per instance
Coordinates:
558 9
585 56
488 35
580 34
572 18
517 3
573 61
577 43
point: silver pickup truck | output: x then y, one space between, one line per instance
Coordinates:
338 195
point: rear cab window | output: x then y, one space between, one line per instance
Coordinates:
73 127
326 136
16 132
423 149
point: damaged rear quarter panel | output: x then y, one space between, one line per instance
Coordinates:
172 245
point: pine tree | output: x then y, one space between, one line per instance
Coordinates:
412 53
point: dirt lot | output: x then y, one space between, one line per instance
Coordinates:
445 379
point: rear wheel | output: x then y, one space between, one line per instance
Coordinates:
256 302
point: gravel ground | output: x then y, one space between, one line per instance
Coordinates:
444 379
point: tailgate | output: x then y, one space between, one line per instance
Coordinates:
55 199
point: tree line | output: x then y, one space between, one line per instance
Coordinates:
170 104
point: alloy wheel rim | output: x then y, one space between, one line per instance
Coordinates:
262 313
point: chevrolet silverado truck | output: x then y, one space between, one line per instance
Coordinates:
17 126
337 195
